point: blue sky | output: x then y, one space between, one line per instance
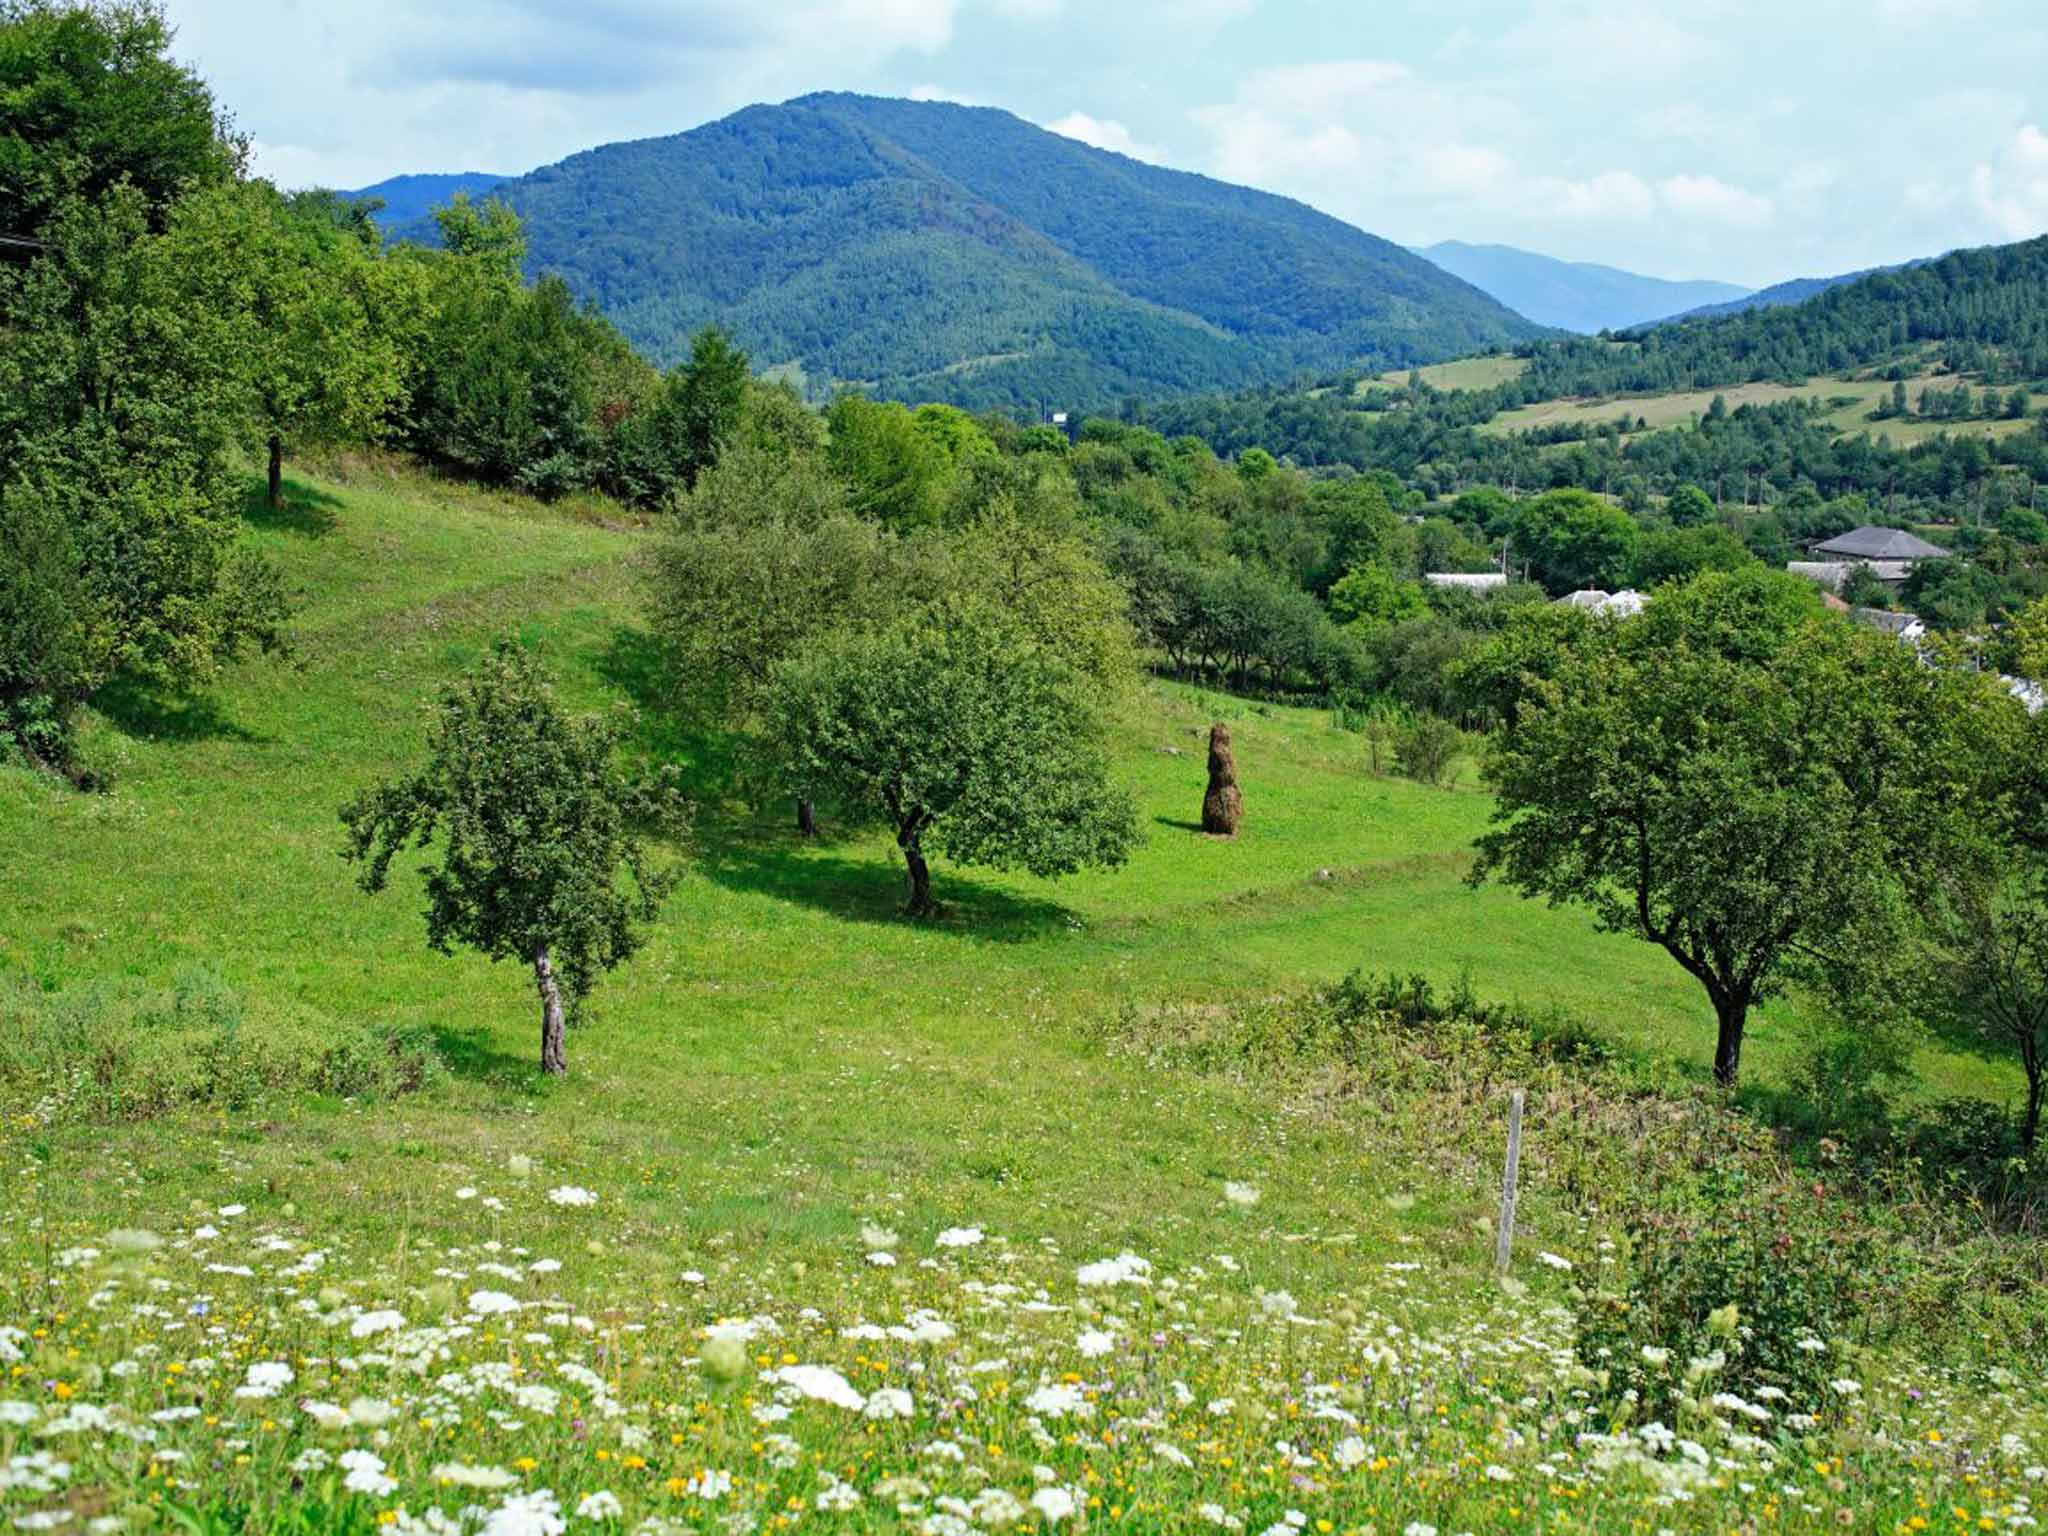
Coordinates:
1746 140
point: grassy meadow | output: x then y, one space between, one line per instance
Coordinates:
838 1221
1849 400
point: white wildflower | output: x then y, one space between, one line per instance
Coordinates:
1124 1269
266 1378
889 1403
461 1475
602 1505
366 1474
1059 1400
526 1514
1055 1504
837 1498
822 1384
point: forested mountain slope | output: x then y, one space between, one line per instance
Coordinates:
1578 296
943 252
1981 310
1796 291
410 198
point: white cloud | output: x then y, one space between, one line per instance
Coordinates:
1466 168
1712 200
1253 146
1320 89
1105 133
921 26
2011 191
1631 42
1611 196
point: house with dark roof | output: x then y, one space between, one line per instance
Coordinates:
1875 545
1889 554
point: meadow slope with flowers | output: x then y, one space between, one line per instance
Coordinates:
844 1224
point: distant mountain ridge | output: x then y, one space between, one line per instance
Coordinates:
1579 296
408 199
1779 295
928 250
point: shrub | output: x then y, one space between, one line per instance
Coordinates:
125 1051
1750 1294
1425 749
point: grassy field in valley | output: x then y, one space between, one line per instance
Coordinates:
839 1221
1465 373
1849 402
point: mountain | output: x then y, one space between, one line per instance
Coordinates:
1779 295
407 199
935 251
1574 295
1978 311
1797 291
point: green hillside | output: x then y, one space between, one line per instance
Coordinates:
933 251
1918 390
401 580
1979 305
790 1080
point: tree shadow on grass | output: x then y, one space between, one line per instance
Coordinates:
710 758
869 891
472 1054
306 512
1179 825
145 713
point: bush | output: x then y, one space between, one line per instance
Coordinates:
124 1051
1425 749
1749 1294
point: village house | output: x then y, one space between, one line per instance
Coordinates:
1888 553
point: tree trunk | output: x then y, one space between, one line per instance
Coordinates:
276 470
554 1059
806 817
2037 1088
920 903
1733 1014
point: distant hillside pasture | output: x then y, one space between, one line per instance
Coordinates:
1858 397
1465 373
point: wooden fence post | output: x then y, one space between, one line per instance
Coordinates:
1504 1239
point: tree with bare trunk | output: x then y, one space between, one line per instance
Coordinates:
1983 968
1223 805
540 861
962 741
1752 785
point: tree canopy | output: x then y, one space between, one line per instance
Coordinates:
1742 786
91 99
541 859
961 743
